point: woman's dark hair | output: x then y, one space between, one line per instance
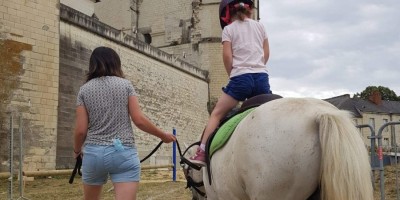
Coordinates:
241 10
104 61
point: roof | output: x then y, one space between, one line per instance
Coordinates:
358 106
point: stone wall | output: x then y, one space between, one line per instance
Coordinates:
86 7
166 19
172 93
29 57
117 15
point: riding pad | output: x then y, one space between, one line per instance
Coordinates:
225 131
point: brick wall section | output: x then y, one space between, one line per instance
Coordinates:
211 59
117 15
74 62
160 15
86 7
209 19
187 52
29 77
172 92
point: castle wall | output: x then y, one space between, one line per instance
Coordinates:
168 20
84 6
117 15
172 93
29 60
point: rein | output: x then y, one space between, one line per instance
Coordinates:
78 164
190 182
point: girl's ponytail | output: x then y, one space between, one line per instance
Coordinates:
241 11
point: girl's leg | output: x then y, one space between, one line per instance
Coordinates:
225 104
92 192
126 191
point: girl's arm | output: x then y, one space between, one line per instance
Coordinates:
81 127
227 56
144 124
266 50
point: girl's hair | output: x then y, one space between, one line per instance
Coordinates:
241 11
104 61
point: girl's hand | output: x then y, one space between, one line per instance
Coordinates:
168 137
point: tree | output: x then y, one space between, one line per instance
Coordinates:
386 93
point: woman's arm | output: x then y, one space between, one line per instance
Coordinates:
81 127
266 50
144 124
227 56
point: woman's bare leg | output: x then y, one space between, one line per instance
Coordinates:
126 191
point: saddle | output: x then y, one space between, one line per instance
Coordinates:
219 138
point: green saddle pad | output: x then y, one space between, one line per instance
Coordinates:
225 131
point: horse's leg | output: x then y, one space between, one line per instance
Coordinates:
226 182
315 195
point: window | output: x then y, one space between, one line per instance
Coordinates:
372 123
147 38
386 142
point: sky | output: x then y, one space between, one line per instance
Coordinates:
326 48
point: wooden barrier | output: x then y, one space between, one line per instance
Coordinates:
156 166
47 172
6 175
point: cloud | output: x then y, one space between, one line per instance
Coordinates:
327 48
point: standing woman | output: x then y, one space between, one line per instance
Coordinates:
103 136
245 55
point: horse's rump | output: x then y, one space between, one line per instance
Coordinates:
275 153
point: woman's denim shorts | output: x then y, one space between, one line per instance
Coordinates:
100 161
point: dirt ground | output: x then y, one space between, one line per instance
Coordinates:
390 183
154 185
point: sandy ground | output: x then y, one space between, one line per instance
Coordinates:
390 183
154 185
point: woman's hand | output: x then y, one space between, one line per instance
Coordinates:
77 153
168 137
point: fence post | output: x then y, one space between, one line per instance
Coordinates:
21 161
174 157
11 153
373 155
380 157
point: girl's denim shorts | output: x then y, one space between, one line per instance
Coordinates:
245 86
100 161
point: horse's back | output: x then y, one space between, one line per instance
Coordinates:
274 152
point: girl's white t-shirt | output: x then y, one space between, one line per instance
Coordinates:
247 38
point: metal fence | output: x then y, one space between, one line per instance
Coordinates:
377 158
11 160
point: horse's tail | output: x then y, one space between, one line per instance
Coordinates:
345 169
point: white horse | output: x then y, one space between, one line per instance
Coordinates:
288 148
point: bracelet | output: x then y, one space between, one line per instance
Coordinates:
77 152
